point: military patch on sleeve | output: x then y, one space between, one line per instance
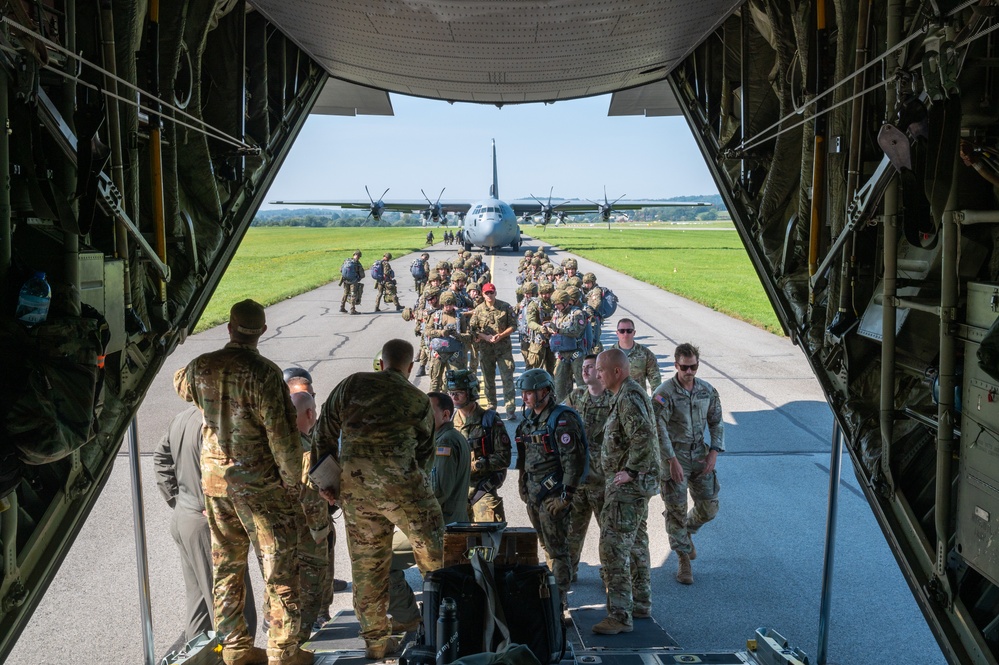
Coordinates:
563 423
443 451
660 399
566 439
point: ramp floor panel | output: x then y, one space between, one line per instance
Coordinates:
647 633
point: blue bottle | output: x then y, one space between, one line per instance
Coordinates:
33 304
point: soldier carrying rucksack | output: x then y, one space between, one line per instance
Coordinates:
351 274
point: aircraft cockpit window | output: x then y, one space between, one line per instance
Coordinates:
506 211
490 209
475 210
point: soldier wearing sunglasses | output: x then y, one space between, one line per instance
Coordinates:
642 364
684 407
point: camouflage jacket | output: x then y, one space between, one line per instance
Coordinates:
495 448
315 507
492 321
545 452
440 324
251 440
682 417
570 322
643 366
377 415
631 443
539 312
449 477
594 412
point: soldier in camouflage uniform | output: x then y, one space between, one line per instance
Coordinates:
251 473
642 363
552 461
475 296
418 284
526 292
571 267
593 404
425 305
313 551
443 270
445 324
568 321
592 297
490 445
352 290
540 312
386 286
685 406
386 455
492 324
631 466
449 480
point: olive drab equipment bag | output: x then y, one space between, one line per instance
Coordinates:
54 380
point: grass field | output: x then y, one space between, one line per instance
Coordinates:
707 266
273 264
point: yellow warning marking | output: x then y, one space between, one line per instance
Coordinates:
492 268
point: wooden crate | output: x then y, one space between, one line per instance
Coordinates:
519 545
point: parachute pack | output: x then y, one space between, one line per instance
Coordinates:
608 303
351 271
522 328
418 269
377 271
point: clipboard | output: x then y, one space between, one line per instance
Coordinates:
325 474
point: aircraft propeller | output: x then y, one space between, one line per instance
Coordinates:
434 210
377 207
606 207
547 209
561 216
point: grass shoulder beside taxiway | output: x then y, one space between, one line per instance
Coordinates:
273 264
708 265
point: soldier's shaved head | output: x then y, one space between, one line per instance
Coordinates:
300 384
305 406
612 368
398 354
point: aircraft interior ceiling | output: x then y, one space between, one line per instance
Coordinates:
875 242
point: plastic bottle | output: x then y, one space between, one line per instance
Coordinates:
33 304
447 632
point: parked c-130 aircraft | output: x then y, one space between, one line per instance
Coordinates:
140 138
489 223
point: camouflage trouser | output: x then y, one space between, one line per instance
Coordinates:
418 284
569 368
424 356
489 508
589 500
624 556
313 575
352 294
376 496
681 525
439 365
473 359
324 606
402 602
386 291
274 516
491 356
539 355
553 532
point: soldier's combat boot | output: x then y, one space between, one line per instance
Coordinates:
251 656
421 370
399 627
301 657
693 550
683 572
378 649
353 310
378 309
611 626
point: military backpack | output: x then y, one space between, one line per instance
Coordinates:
351 271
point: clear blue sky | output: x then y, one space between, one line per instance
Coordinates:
570 145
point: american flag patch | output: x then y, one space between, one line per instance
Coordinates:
660 399
443 451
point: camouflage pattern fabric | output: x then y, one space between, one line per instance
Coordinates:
539 311
566 459
386 455
313 550
630 443
642 366
589 498
569 368
440 323
681 418
251 473
497 452
352 293
494 320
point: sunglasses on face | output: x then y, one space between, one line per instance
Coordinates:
626 331
687 368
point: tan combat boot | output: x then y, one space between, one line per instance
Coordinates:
378 649
251 656
683 572
301 657
693 550
611 626
343 308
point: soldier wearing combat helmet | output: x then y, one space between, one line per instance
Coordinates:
568 321
490 444
539 312
551 457
447 336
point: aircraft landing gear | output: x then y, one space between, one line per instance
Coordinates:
516 245
468 246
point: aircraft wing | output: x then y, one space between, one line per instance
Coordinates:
522 206
397 205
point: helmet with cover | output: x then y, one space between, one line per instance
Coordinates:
560 297
463 379
535 379
447 298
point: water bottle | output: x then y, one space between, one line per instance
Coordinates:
447 632
33 304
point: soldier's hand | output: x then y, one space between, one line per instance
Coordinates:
675 470
558 505
479 464
709 463
330 497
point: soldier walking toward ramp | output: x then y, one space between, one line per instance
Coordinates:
351 279
631 466
251 467
685 406
385 429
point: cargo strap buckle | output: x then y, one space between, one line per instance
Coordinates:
549 483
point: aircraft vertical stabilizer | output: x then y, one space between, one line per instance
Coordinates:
494 190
